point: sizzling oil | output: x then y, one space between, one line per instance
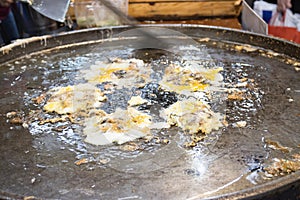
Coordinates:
47 154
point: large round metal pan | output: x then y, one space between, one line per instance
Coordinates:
231 165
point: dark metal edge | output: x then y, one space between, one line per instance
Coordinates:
28 46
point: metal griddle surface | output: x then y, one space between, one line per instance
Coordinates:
41 163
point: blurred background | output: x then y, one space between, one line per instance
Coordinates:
23 21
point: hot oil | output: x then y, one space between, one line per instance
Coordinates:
49 67
246 108
156 162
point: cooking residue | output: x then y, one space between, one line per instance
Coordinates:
282 166
277 146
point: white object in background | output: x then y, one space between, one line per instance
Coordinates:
251 21
260 6
288 20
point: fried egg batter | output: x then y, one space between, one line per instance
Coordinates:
123 73
74 99
192 115
119 127
190 77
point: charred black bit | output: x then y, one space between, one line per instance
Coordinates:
156 95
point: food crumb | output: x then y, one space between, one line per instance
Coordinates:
148 138
190 144
104 161
282 167
204 39
81 161
29 198
33 180
16 120
240 124
25 125
11 114
236 95
40 99
131 146
225 123
246 48
277 146
243 79
165 141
